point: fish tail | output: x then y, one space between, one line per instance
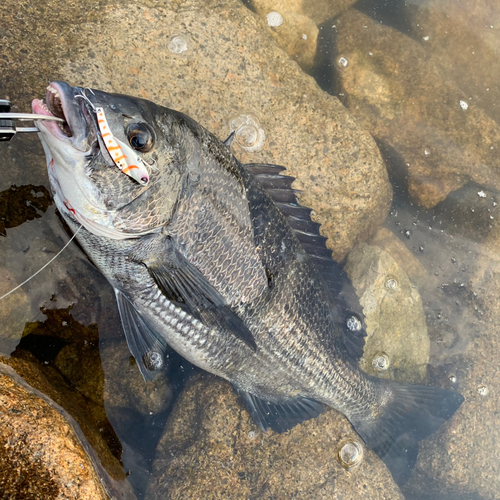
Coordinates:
413 413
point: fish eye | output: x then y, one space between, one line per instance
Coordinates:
140 137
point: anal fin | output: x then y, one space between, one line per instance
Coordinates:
280 416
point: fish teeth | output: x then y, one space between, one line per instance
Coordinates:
54 91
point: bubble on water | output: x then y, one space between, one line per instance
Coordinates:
353 323
304 36
274 19
248 133
452 379
482 390
421 248
481 194
408 233
426 38
381 361
178 45
463 105
427 152
351 454
252 435
343 62
153 360
391 284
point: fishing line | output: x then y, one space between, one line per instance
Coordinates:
42 268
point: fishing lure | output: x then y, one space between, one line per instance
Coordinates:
125 158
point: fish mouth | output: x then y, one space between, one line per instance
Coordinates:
61 102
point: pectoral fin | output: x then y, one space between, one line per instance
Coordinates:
181 282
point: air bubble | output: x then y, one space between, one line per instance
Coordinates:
391 284
353 323
153 360
248 133
274 19
381 361
351 454
452 379
482 390
252 435
178 45
481 194
427 152
343 62
463 105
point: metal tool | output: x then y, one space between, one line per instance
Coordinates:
7 127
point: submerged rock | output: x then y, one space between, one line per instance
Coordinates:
43 453
441 139
397 345
464 456
211 449
464 41
125 387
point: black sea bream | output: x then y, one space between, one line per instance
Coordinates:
219 261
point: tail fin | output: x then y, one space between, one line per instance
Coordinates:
414 413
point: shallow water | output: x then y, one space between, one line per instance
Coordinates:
442 227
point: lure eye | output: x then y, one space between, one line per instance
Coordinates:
140 137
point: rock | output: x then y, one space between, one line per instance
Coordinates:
294 32
318 11
464 456
125 387
407 103
90 416
211 449
82 368
465 43
15 312
388 241
394 316
231 67
43 452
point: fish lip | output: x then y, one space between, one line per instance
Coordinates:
61 100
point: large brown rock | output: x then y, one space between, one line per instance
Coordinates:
404 99
43 453
231 67
211 449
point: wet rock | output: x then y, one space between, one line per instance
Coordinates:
15 312
211 449
294 32
90 415
388 241
125 387
21 204
318 11
82 368
465 43
230 66
464 456
43 453
397 345
403 98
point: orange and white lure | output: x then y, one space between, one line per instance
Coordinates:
125 158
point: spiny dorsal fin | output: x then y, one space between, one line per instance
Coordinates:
278 187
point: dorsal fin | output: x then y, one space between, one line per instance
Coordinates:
278 187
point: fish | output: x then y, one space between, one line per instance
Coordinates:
219 261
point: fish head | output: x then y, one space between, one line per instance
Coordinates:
122 194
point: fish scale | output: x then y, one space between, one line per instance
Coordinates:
219 261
